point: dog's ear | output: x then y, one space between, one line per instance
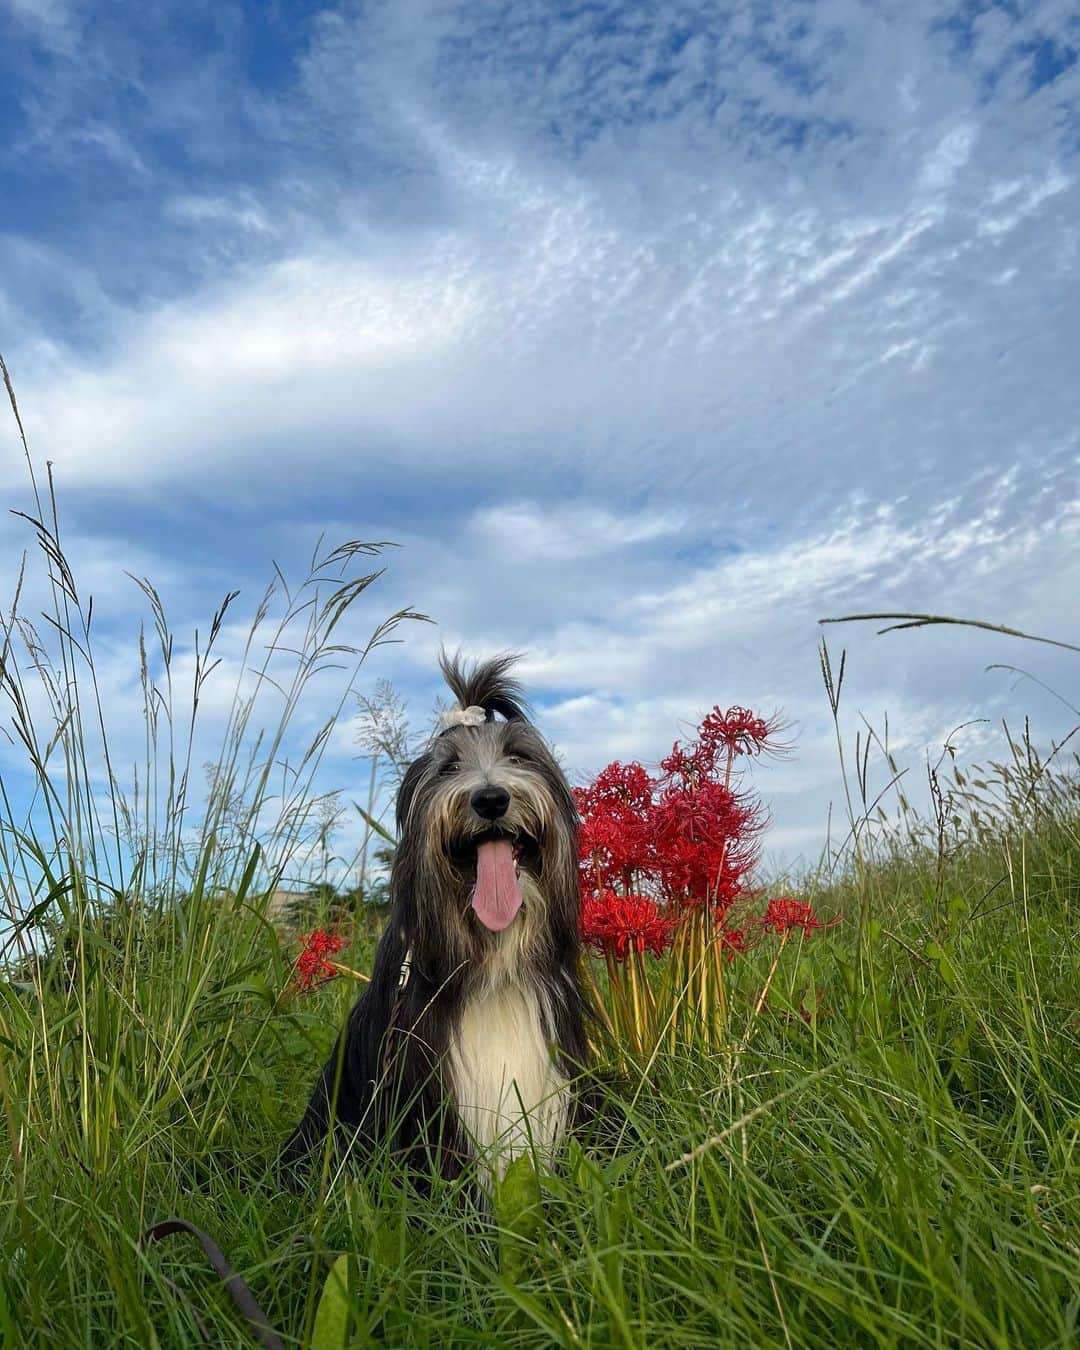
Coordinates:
486 684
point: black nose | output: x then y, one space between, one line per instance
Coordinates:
490 801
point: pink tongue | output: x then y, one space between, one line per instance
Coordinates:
497 897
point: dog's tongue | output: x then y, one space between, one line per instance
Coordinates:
497 897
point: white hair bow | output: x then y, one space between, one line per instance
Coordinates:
463 717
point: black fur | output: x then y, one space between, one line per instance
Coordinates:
386 1077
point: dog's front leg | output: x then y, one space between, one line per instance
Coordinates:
307 1139
342 1099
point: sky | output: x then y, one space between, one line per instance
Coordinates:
651 335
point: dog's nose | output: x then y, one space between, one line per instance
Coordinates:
490 801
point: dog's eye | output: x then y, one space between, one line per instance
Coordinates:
451 766
517 759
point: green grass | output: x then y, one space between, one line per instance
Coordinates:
899 1166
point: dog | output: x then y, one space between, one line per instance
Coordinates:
469 1044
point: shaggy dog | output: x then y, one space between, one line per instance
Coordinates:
467 1040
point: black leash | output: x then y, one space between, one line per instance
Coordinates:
238 1288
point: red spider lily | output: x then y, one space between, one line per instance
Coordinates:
705 842
738 731
721 736
621 924
663 863
680 763
625 784
615 840
784 914
312 965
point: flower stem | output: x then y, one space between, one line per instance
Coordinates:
618 991
347 970
772 971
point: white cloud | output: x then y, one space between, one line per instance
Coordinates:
528 532
727 347
51 13
241 211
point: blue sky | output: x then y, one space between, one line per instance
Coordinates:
652 333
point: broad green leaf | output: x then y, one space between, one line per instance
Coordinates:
520 1214
941 958
332 1316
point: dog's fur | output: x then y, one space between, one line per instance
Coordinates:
466 1042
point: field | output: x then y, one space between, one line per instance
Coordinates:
896 1164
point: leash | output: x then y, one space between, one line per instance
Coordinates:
238 1289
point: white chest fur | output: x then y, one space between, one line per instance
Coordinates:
506 1087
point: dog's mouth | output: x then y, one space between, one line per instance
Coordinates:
495 859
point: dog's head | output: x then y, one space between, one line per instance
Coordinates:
486 819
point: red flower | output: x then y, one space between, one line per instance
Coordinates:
705 843
624 923
681 763
733 941
684 839
615 839
312 965
738 731
625 784
783 914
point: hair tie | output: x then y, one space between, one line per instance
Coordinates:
463 717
